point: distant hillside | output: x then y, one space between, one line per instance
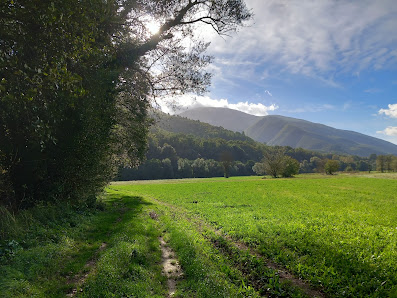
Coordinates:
226 118
185 148
297 133
178 124
285 131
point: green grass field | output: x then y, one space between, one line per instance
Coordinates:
339 233
236 237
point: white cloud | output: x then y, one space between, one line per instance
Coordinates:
391 111
268 92
316 37
389 131
182 103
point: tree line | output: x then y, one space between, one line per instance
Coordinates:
386 163
178 155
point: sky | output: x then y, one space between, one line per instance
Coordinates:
330 61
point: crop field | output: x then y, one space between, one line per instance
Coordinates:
338 234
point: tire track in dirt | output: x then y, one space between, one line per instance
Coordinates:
284 275
79 279
171 268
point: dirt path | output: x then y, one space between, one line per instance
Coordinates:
283 274
80 278
171 268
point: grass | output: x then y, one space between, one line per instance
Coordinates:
339 233
60 252
60 246
47 245
206 272
130 264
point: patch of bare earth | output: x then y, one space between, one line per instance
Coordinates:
171 268
79 279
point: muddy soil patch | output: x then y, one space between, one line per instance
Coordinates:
171 268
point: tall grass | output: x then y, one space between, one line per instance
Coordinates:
8 224
38 248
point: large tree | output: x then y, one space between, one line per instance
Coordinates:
331 166
274 161
76 79
291 167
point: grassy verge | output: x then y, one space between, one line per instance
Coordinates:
113 252
43 247
131 264
51 251
212 266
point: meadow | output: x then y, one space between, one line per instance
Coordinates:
309 236
338 233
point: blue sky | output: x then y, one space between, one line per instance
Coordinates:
330 62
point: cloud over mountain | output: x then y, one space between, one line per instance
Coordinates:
182 103
389 131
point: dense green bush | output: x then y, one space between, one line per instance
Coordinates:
291 167
331 166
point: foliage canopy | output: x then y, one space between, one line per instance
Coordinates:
331 166
76 80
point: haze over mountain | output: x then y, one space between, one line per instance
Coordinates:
227 118
286 131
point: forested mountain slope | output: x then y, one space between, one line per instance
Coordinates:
184 148
201 129
297 133
285 131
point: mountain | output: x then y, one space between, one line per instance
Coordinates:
286 131
184 125
227 118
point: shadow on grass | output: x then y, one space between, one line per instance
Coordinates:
130 264
44 259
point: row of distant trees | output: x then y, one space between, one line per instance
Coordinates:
166 162
185 168
276 163
386 163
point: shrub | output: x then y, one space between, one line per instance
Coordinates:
291 167
331 166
